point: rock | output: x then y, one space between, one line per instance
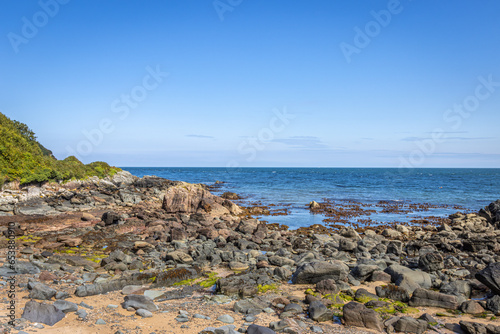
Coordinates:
490 276
428 318
319 312
43 313
398 272
423 298
471 307
393 292
255 329
179 257
142 244
192 198
41 291
226 318
87 217
154 294
479 328
138 301
82 314
36 206
316 329
279 325
356 314
133 290
62 295
392 234
47 276
364 271
327 286
110 218
431 262
230 195
457 288
314 205
410 325
243 285
100 322
407 284
281 261
314 272
129 196
294 308
66 306
20 268
123 178
282 273
144 313
380 276
248 226
238 266
493 304
250 306
363 296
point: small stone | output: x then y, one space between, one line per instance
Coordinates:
268 310
144 313
83 304
153 294
112 306
81 313
226 318
62 295
250 318
316 329
100 322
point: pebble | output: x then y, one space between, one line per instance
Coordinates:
144 313
81 313
83 304
250 318
226 318
316 329
201 316
268 310
100 322
182 318
112 306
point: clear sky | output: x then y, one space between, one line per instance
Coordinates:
256 82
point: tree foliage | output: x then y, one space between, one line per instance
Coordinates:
24 159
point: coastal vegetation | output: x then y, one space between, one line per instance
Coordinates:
24 159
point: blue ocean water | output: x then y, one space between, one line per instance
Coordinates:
471 189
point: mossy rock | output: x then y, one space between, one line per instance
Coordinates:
210 281
267 287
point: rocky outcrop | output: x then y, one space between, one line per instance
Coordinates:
193 198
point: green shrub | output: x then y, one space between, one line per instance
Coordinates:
23 158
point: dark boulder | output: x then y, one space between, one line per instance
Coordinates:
490 276
42 313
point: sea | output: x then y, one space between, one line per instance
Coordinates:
447 190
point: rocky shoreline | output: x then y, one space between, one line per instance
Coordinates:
149 255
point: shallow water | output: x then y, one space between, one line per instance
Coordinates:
471 189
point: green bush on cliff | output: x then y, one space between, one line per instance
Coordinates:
24 159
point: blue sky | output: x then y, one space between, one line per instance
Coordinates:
256 83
